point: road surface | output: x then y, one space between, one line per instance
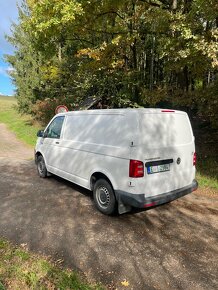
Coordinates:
174 246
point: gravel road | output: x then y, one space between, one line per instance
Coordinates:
174 246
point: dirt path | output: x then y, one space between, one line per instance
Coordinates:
12 148
174 246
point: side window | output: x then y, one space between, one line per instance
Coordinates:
54 129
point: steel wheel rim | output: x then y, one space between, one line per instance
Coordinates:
103 196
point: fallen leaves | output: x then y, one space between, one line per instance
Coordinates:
125 283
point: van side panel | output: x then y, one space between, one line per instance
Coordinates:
102 129
95 143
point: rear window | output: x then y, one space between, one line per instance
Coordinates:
165 129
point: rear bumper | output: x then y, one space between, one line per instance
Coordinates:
140 201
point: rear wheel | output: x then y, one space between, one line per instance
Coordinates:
41 167
104 197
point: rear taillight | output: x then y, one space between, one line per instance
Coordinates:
194 159
136 168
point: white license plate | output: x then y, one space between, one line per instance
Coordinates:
158 168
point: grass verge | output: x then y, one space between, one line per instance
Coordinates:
20 125
20 269
207 152
207 170
205 181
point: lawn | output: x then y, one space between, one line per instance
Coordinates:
207 172
22 126
20 269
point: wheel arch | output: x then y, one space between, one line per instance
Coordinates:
96 175
37 154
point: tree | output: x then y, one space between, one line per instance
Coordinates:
126 52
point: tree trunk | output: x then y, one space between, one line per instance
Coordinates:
134 56
59 52
174 5
152 64
183 79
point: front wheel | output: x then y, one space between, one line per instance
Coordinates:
41 167
104 198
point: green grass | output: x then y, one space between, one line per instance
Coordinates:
207 172
205 181
20 125
20 269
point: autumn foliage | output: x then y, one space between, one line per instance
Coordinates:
125 52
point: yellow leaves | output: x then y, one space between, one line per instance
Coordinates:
50 72
183 53
116 40
187 33
181 26
125 283
68 10
30 3
117 63
209 48
95 53
91 53
104 57
214 33
51 16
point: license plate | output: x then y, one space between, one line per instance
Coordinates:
158 168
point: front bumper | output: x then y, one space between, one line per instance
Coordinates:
140 201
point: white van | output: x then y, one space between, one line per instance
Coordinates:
128 157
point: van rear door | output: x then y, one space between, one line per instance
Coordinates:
168 150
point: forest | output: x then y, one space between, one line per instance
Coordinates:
116 53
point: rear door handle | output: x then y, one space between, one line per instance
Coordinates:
57 142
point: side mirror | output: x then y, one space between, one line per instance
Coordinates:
40 133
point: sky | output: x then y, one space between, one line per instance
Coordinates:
8 14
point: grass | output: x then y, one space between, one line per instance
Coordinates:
205 181
20 125
207 153
20 269
207 172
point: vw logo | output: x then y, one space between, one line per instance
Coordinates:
178 161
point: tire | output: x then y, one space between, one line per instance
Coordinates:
41 167
104 197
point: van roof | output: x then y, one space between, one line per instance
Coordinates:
123 111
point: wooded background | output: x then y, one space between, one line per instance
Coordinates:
124 53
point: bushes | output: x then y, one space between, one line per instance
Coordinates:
208 104
43 110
